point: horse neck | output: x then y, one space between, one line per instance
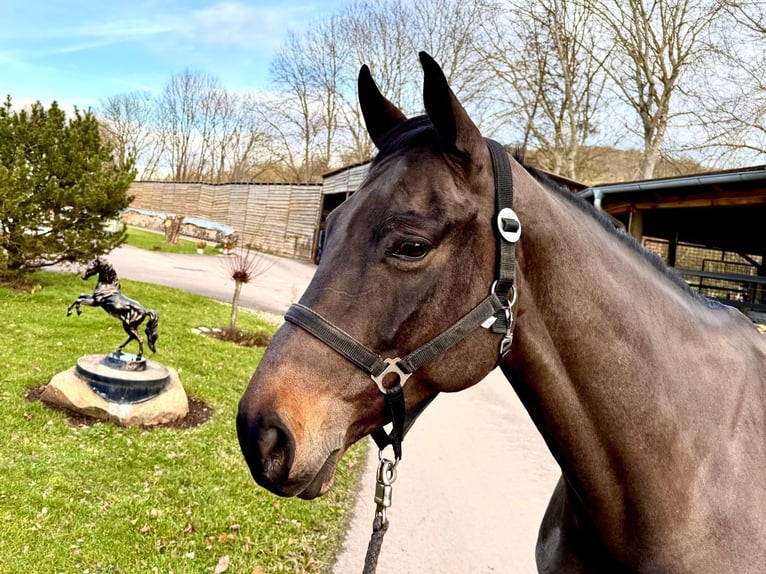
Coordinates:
609 355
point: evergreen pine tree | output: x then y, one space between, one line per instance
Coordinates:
60 191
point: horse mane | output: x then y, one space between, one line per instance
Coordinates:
623 237
108 273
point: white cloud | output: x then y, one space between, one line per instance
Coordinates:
245 24
241 24
146 40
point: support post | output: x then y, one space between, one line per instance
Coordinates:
672 249
636 224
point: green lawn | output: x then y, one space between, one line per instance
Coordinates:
106 499
156 242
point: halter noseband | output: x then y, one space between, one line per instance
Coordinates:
493 313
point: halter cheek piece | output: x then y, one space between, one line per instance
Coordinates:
493 313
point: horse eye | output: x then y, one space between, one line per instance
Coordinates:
412 249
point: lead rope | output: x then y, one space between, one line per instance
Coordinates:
385 477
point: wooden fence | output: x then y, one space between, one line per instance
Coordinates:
275 218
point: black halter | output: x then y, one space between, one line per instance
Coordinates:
493 313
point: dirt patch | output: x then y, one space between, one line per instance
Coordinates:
20 284
238 336
199 413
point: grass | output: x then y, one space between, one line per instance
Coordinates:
156 242
107 499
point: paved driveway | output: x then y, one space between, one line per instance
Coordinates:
475 477
273 291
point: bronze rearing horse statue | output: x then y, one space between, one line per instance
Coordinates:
108 296
651 399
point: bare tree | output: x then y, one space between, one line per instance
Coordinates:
656 43
450 31
548 59
446 29
210 133
316 73
227 136
244 265
549 71
333 49
186 121
328 61
296 118
379 35
128 122
247 149
733 111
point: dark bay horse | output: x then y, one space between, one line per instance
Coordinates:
108 296
651 399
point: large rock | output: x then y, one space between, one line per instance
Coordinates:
68 390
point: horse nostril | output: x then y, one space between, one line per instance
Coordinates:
268 447
267 442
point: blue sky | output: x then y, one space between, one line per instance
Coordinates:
80 52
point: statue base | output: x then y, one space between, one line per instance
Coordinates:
146 398
124 361
130 381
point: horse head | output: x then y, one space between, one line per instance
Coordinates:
106 273
408 255
93 268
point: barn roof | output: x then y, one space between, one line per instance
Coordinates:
729 187
733 217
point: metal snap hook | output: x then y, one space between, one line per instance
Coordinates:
385 477
387 471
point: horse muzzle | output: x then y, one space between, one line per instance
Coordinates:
269 450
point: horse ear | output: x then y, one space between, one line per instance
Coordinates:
380 115
445 111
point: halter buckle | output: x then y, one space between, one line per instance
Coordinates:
392 368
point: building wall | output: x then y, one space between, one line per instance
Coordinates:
275 218
346 180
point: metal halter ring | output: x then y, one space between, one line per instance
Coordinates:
386 470
392 368
512 301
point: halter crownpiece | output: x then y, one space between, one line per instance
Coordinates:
493 313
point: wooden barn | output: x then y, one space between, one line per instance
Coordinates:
709 226
283 219
275 218
337 186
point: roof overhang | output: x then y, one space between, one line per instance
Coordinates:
724 210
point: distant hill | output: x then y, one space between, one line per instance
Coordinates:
600 164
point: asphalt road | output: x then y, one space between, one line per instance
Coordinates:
475 476
273 291
473 483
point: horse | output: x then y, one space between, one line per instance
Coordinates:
651 398
108 296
